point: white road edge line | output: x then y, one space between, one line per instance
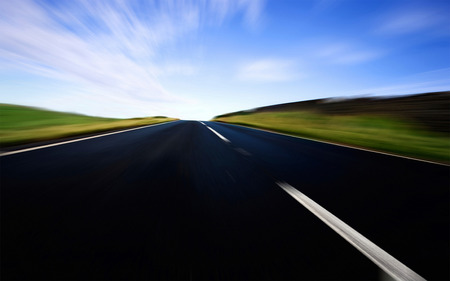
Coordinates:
343 145
76 140
219 135
381 258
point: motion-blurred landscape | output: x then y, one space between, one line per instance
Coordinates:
22 125
416 125
412 125
328 157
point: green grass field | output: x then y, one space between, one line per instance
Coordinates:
382 133
20 124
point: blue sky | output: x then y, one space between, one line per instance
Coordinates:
198 59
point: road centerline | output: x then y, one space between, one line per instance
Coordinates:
381 258
217 134
339 144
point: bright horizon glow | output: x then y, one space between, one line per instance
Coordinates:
198 59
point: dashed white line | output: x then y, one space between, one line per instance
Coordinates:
385 261
243 151
342 145
76 140
219 135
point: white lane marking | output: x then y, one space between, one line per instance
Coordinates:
230 176
386 262
219 135
242 151
82 139
343 145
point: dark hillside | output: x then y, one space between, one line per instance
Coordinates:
430 110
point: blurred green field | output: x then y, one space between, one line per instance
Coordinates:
378 132
21 124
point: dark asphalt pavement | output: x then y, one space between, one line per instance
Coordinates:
175 201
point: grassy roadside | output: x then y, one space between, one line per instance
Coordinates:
21 125
382 133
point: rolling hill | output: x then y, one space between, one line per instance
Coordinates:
416 126
22 124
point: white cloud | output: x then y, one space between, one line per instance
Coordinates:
413 19
109 47
253 10
220 10
184 69
408 87
345 53
323 5
268 70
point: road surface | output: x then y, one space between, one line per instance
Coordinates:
203 200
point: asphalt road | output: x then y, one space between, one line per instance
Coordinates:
182 201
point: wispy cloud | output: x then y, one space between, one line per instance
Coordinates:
345 53
109 46
253 11
268 70
220 10
323 5
413 19
411 86
176 68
